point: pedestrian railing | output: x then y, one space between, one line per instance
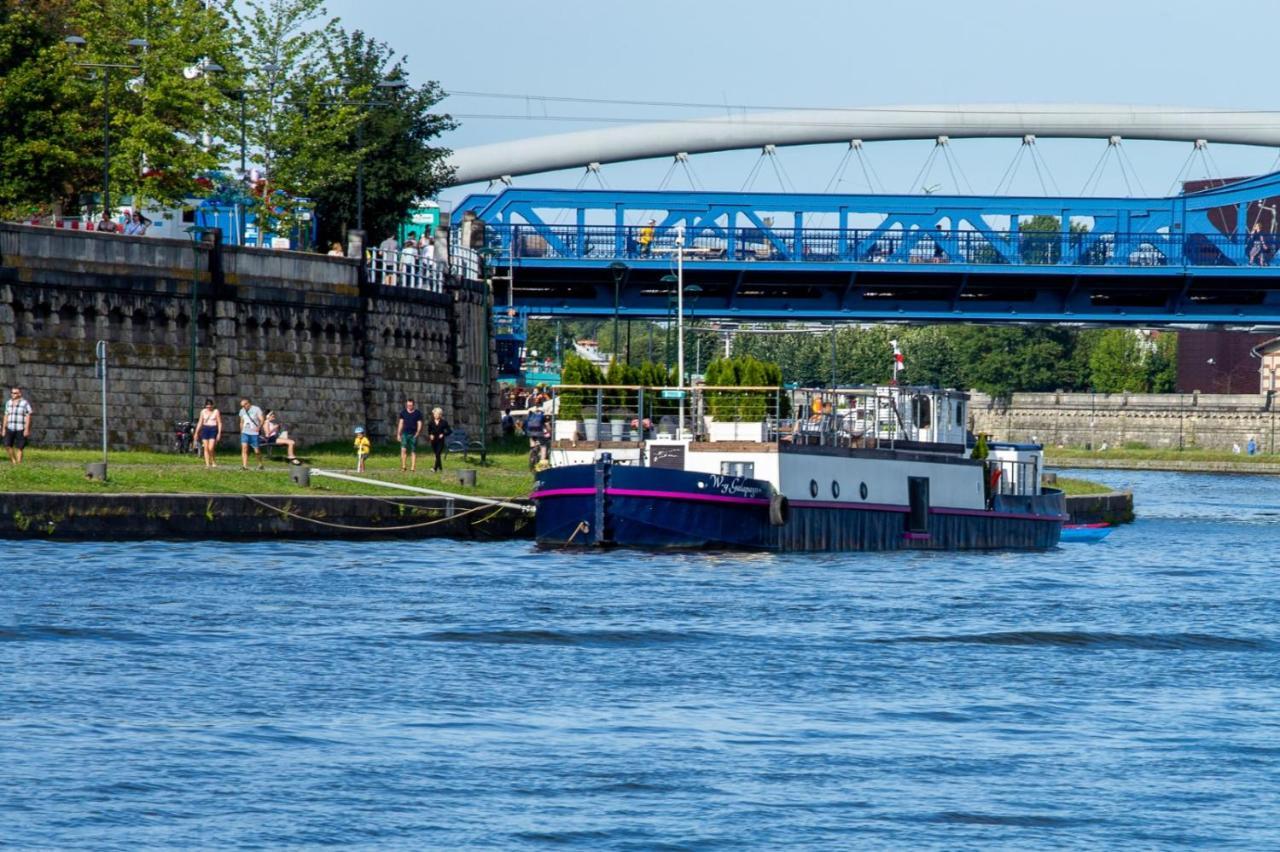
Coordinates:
984 247
400 268
411 269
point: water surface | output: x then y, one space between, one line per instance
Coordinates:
450 695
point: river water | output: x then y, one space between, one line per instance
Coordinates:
445 695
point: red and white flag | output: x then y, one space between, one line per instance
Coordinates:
897 361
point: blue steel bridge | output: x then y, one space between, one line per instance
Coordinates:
759 256
1187 259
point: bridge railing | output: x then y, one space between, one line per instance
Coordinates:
887 245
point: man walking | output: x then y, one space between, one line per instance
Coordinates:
17 425
250 433
408 427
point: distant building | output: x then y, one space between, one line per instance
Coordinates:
590 350
1269 373
1218 361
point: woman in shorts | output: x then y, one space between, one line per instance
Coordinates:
273 433
209 431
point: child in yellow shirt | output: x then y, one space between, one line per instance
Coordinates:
362 448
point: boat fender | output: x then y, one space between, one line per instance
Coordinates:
779 510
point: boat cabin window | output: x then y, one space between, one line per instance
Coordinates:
960 414
920 412
738 468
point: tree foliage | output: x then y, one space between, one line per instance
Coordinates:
279 77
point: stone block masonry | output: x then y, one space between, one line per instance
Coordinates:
1159 421
304 334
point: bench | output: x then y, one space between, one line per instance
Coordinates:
458 442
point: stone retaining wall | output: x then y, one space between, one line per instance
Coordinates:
1159 421
301 333
121 517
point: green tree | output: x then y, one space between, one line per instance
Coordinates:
1001 360
300 115
1117 362
391 137
43 145
166 110
929 357
1162 367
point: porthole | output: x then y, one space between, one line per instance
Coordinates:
835 489
862 489
813 488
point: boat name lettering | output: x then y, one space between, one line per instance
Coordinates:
733 485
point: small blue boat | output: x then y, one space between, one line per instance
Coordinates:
1085 532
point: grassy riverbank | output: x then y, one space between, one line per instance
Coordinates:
1173 461
506 473
1063 455
1077 487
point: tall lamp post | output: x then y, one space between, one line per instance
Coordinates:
386 85
678 280
619 270
79 42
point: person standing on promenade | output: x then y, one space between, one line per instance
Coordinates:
209 431
362 448
438 430
408 428
250 433
107 225
386 260
17 425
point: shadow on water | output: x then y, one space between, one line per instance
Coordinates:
1127 641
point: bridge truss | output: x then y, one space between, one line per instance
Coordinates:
1184 259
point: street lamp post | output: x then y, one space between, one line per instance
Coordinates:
680 326
78 42
389 85
619 270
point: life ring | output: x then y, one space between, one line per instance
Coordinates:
779 510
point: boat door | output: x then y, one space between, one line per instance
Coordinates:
918 497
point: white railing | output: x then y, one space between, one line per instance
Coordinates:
464 263
405 269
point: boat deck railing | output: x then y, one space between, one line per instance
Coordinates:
871 417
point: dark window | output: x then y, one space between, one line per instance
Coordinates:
920 412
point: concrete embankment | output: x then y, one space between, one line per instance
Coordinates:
1115 507
128 517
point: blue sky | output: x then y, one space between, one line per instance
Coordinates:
824 53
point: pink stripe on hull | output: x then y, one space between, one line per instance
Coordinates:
637 492
684 495
799 504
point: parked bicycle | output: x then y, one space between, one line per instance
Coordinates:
182 437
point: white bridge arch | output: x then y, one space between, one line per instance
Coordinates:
811 127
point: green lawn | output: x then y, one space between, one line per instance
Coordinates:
1076 487
505 475
1056 455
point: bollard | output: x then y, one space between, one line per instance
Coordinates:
467 477
96 471
301 475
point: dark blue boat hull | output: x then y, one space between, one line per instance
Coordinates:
626 506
